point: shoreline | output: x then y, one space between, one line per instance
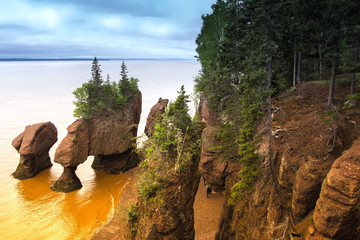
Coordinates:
207 212
114 229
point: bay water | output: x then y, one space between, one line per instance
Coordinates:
41 91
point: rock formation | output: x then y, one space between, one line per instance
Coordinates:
337 211
156 110
108 138
306 144
173 217
72 151
212 165
33 146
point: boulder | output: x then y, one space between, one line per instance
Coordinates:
33 146
156 110
109 138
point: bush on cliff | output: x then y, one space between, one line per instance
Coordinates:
98 97
175 142
166 183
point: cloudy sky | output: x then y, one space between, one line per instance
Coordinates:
103 28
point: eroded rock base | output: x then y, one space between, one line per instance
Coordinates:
67 182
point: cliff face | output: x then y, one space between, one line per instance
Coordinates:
337 210
213 167
172 217
306 142
169 180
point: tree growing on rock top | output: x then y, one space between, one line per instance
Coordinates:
98 97
178 111
127 86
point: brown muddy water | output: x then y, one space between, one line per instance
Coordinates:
33 92
30 210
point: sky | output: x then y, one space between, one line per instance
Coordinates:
159 29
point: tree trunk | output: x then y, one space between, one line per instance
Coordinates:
320 63
353 78
298 77
330 103
269 127
294 71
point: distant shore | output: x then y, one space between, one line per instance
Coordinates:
90 59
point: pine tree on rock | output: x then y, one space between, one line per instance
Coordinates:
178 111
127 87
98 97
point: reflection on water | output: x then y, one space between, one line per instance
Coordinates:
36 212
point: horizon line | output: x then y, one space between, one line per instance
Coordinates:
85 59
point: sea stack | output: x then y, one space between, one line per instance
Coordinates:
108 138
33 146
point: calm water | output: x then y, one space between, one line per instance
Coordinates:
32 92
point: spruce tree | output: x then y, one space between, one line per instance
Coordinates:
98 97
95 89
178 111
124 84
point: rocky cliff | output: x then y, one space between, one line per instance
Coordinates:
318 189
168 183
171 215
213 166
337 209
108 138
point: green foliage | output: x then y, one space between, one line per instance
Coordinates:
97 97
212 33
330 116
178 111
132 216
354 96
132 213
246 49
127 87
170 150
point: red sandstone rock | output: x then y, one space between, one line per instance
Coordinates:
174 217
33 146
306 189
74 148
212 166
109 138
157 109
336 213
67 182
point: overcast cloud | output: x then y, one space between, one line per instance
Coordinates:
107 29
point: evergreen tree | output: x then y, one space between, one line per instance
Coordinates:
127 87
178 111
97 97
96 77
124 72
